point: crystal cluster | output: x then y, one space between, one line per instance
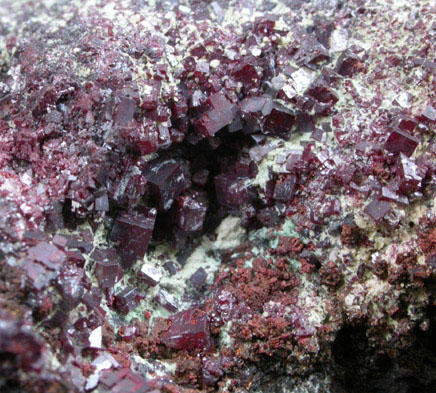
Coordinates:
212 195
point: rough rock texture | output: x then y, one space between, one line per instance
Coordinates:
217 196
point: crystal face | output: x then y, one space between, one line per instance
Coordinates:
150 274
48 255
284 190
126 300
107 273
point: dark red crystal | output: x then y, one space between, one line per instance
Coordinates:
401 142
108 273
189 330
348 64
222 114
198 278
190 212
231 191
126 300
167 179
284 189
279 121
378 209
132 231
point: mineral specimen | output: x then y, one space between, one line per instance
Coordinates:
220 196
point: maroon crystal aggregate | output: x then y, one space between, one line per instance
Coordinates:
164 154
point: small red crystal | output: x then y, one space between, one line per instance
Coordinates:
284 190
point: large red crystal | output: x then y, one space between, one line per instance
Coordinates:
132 231
231 191
48 255
401 142
222 114
378 209
167 179
189 330
279 121
190 212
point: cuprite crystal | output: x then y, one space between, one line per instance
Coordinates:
150 274
245 71
407 123
198 278
132 231
212 371
410 174
131 383
125 110
429 113
37 275
189 330
101 202
231 190
110 377
311 51
127 333
248 137
200 178
70 285
47 254
378 209
221 114
167 178
347 64
401 142
391 193
123 380
284 189
322 92
108 273
126 300
279 121
191 212
19 344
166 300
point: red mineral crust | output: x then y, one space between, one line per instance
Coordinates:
217 196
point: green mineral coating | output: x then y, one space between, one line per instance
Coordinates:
295 265
287 230
138 313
